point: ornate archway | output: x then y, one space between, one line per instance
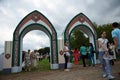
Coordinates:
33 21
82 23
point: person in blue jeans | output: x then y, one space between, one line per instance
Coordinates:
116 37
91 55
104 56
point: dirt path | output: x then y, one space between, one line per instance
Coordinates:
76 73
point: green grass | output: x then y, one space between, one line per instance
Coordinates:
43 65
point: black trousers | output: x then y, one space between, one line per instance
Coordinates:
83 59
66 60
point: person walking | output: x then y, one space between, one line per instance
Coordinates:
83 52
116 38
104 57
91 55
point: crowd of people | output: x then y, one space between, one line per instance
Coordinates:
106 51
30 60
84 53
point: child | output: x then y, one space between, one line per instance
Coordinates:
110 53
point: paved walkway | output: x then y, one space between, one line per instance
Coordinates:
76 73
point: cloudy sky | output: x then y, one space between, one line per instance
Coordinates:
59 12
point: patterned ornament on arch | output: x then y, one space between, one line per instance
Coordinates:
81 19
35 17
7 56
61 52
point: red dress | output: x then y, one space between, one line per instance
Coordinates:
76 55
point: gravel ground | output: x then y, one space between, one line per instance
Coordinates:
78 72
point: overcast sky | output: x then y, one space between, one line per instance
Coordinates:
59 12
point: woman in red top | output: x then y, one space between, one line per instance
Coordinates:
75 55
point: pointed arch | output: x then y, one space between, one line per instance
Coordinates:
84 24
79 19
33 21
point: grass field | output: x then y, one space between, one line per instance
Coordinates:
43 65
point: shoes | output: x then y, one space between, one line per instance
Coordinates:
66 70
111 77
104 75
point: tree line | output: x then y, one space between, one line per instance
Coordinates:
42 51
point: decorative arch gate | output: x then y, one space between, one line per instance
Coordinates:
82 23
33 21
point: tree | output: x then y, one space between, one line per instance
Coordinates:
107 28
41 51
77 39
44 51
47 49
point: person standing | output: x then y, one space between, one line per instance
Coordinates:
27 61
116 38
104 57
34 58
38 55
66 53
91 55
114 52
76 55
83 52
